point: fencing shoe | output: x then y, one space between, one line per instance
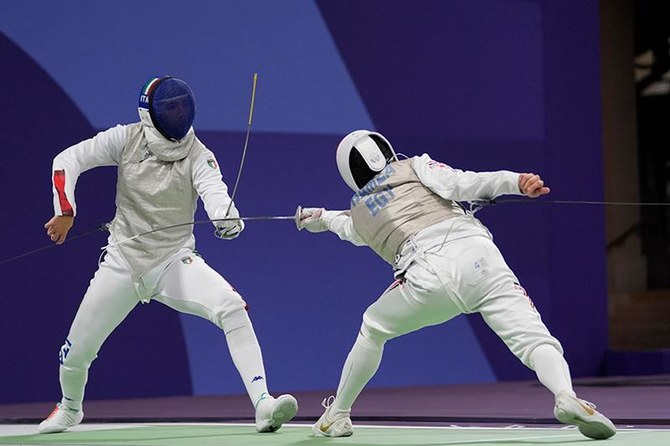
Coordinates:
583 414
336 425
60 419
272 412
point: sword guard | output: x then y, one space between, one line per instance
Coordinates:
297 216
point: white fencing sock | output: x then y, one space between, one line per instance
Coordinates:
552 370
360 366
72 383
248 359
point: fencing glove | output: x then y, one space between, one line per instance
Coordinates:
230 227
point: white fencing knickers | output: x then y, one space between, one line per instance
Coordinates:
463 275
466 275
184 282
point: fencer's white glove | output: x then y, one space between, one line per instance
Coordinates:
230 227
312 220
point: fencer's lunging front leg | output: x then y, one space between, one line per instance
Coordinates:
246 353
361 365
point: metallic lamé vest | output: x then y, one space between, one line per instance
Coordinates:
395 205
152 194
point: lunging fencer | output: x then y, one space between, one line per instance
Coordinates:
445 263
163 168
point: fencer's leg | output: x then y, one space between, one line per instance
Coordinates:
553 372
400 310
541 352
108 300
510 313
240 338
271 412
360 366
195 288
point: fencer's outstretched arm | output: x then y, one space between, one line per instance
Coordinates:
208 183
104 149
459 185
339 222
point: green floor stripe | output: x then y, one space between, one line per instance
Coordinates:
219 435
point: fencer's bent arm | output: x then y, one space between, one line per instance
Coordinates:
340 223
208 182
459 185
104 149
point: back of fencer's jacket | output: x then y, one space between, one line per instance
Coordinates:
395 205
152 194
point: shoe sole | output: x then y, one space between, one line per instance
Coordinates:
57 430
285 409
596 429
319 433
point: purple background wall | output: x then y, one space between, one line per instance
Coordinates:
478 84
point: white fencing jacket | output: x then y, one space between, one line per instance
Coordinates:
417 199
151 193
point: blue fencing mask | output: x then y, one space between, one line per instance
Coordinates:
171 105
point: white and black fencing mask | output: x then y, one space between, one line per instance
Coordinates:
361 155
171 105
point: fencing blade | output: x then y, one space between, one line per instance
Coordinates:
295 217
104 227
